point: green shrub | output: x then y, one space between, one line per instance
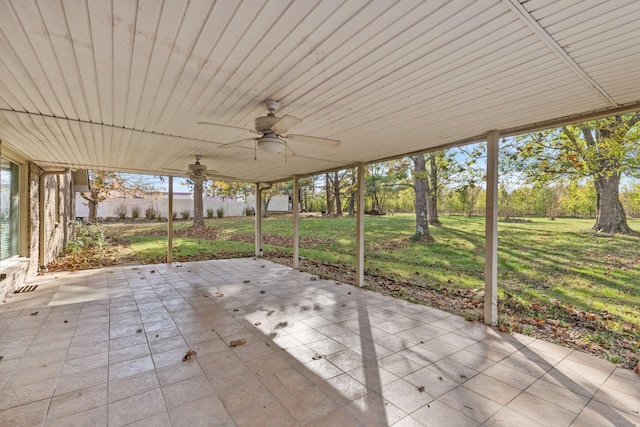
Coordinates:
174 215
220 212
122 211
88 236
185 214
135 213
249 211
150 213
209 213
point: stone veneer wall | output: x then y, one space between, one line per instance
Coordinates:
59 226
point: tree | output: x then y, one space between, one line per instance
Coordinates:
106 183
603 150
198 204
421 185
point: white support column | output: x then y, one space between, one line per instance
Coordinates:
170 223
491 233
258 219
296 223
360 227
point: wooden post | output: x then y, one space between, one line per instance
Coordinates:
258 220
360 227
491 233
170 223
296 224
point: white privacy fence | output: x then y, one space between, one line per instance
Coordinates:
157 207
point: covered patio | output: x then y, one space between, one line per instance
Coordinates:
276 346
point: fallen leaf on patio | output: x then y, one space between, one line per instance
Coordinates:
235 309
188 355
152 271
348 293
268 345
468 407
263 291
35 313
502 328
421 389
262 266
219 294
157 335
257 324
138 331
318 356
338 283
246 281
66 321
314 278
206 296
440 378
464 377
637 369
237 343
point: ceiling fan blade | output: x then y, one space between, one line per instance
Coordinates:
227 126
234 143
286 122
315 140
218 177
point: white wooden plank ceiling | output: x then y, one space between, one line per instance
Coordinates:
122 84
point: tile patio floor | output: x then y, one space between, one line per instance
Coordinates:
106 348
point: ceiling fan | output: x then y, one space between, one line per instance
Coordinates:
198 172
272 131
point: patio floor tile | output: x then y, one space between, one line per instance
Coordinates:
106 347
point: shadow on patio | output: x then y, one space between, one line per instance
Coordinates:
106 346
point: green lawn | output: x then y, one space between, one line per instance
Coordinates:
546 268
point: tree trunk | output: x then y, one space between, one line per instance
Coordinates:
336 193
93 198
420 186
93 210
198 205
610 216
329 193
432 192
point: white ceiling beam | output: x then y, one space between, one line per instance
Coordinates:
545 37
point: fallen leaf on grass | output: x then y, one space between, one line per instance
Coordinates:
237 343
188 355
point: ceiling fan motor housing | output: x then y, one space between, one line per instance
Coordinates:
197 168
264 123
